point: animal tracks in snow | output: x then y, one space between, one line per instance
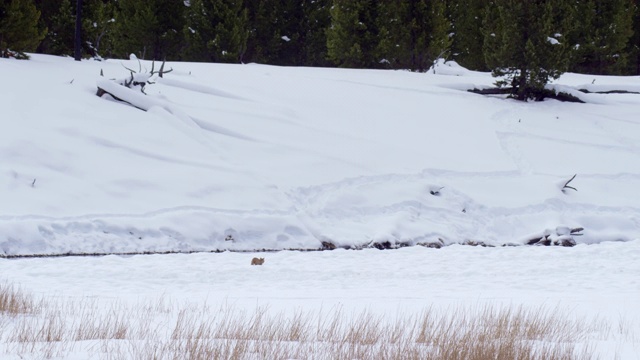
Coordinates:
350 212
469 206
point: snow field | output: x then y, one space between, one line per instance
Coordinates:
288 158
591 290
252 157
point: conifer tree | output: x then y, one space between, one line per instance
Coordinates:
467 43
61 32
19 32
413 34
98 27
136 28
440 40
317 19
152 29
605 27
525 44
288 32
196 30
396 39
352 38
215 30
48 13
59 17
266 22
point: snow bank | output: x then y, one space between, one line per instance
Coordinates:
442 67
280 158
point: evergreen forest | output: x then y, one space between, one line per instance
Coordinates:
503 36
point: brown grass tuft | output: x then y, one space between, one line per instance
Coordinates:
112 330
14 302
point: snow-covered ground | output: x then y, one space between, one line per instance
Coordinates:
291 157
252 157
587 282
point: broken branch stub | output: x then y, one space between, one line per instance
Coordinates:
566 185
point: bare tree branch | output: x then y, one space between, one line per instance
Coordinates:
566 185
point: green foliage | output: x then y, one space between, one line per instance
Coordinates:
19 32
413 34
287 32
196 31
60 37
605 28
267 26
403 34
59 17
526 44
440 39
215 30
467 43
98 25
509 37
395 37
352 36
136 28
152 29
315 22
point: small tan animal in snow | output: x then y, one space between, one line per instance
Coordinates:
257 261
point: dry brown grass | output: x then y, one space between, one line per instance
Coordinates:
14 301
164 330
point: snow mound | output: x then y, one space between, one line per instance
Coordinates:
452 68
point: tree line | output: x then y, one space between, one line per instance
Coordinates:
587 36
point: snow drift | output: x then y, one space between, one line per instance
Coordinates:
252 157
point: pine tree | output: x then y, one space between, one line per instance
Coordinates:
136 28
60 37
288 32
215 30
48 11
605 29
413 34
197 29
98 27
152 29
352 38
316 21
395 37
267 23
19 32
440 40
525 43
261 18
59 17
467 43
291 33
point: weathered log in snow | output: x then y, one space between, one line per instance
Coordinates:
551 93
124 94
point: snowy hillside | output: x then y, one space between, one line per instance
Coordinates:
253 157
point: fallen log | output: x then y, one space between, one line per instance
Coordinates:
609 92
560 96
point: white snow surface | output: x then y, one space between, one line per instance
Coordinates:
286 158
587 282
281 158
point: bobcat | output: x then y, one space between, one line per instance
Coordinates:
257 261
